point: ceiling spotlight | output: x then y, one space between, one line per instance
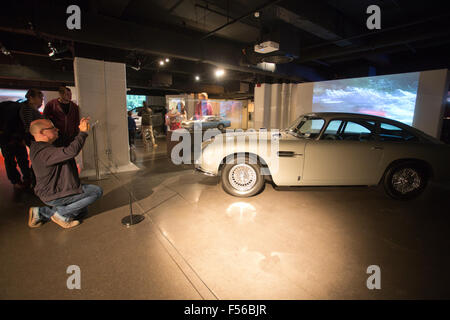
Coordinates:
161 63
52 49
5 51
167 60
197 78
220 73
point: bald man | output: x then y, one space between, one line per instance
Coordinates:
57 181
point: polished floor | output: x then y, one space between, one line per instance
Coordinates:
197 242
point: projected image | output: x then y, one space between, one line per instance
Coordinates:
391 96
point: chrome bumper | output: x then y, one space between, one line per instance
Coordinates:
203 171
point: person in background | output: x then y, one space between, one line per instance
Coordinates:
173 119
131 128
182 111
29 112
14 151
147 126
57 182
203 107
65 114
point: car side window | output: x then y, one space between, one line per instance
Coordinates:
332 130
389 132
357 131
350 130
311 128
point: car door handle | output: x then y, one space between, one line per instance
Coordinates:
288 154
377 148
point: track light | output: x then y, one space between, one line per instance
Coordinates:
197 78
219 73
161 62
167 60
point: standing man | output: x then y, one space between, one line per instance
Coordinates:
203 107
57 181
29 111
12 135
65 114
147 125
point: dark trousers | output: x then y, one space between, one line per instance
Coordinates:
16 154
131 135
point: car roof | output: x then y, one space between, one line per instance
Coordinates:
348 115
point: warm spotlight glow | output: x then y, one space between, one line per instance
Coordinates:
167 60
197 78
161 63
241 211
220 73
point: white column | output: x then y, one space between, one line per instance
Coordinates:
262 106
275 106
430 101
101 92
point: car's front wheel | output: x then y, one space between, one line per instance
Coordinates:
405 180
242 178
220 126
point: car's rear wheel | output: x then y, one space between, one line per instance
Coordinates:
242 177
220 127
405 180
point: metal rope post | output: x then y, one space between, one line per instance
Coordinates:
96 158
132 218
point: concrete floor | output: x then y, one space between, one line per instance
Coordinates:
197 242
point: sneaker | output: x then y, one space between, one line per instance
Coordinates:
64 224
33 217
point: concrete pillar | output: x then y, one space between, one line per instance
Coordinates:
302 100
262 106
101 93
275 103
430 101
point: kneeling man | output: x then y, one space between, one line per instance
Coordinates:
57 181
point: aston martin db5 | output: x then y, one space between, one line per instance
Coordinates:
328 149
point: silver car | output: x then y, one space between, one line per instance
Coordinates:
328 149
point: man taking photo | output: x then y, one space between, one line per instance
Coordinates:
57 182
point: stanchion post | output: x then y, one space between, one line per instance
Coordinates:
94 137
132 218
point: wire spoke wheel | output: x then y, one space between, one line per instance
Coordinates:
406 180
242 177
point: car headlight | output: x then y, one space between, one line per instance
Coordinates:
207 142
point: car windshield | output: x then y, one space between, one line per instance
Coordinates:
306 127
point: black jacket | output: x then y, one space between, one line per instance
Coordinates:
11 126
55 168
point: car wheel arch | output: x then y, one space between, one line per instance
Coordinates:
422 163
258 159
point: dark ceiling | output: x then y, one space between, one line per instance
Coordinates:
325 39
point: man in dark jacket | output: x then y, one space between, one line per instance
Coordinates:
65 115
12 135
57 181
131 128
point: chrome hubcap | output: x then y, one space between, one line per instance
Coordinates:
406 180
242 177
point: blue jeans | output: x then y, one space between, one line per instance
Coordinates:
71 207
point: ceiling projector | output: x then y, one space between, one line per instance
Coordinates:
267 47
